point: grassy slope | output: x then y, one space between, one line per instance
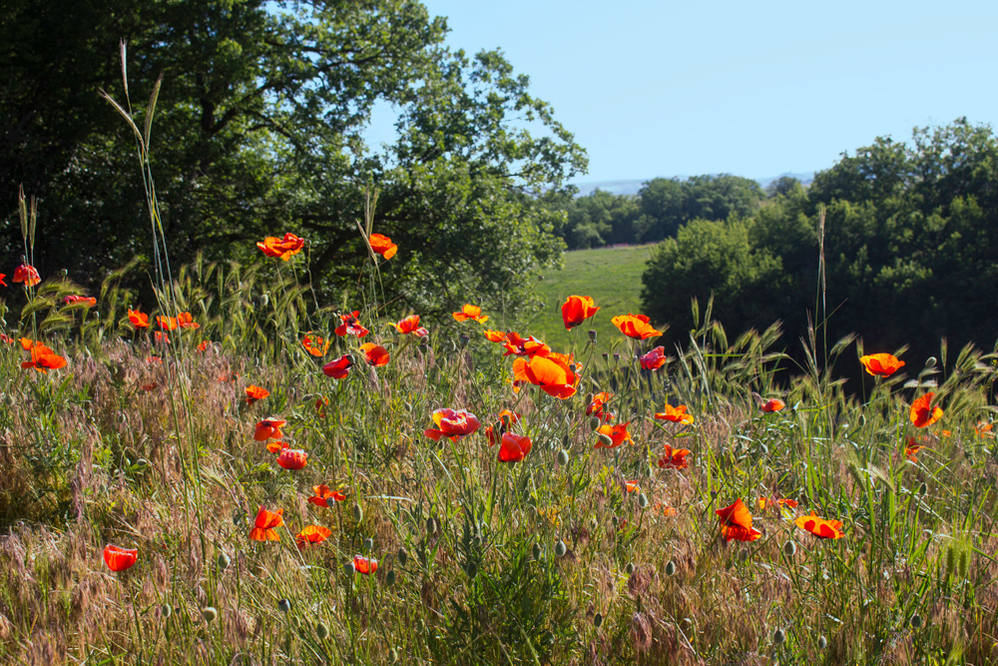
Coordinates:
612 276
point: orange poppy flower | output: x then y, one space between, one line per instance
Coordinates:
635 326
322 495
453 423
27 274
6 339
161 338
617 433
501 426
673 458
773 405
675 414
266 524
312 534
276 445
514 448
923 413
118 559
494 336
166 323
667 511
254 393
820 527
631 486
520 346
782 501
269 428
654 359
471 312
75 299
736 522
911 449
284 248
292 459
138 319
555 374
576 309
350 325
364 565
315 345
881 365
410 324
43 359
203 345
375 355
595 408
28 343
984 429
186 320
339 368
383 245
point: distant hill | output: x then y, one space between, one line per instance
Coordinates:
632 186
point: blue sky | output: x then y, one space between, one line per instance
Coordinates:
755 89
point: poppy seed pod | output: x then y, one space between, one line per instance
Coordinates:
562 457
223 561
790 548
629 568
605 440
390 577
670 568
284 605
597 620
560 548
403 556
594 423
535 550
209 614
321 631
779 636
822 642
915 621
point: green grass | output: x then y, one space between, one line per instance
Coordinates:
612 276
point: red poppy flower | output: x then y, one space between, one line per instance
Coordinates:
820 527
254 393
284 248
186 320
911 449
513 447
351 325
555 374
595 408
323 494
339 368
166 323
632 486
292 459
773 405
577 309
923 413
320 406
411 325
654 359
453 423
203 345
736 522
2 283
138 319
617 433
882 365
520 346
494 336
119 559
27 274
375 355
269 429
312 534
161 338
635 326
364 565
383 245
673 458
315 345
782 501
266 524
6 339
499 428
75 299
675 414
43 359
471 312
276 445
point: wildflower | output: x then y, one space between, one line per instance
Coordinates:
376 355
2 283
75 299
513 447
383 245
820 527
736 522
453 423
635 326
151 386
138 319
203 345
43 359
763 502
119 559
410 324
675 414
773 405
284 248
322 495
266 524
654 359
254 393
501 426
186 320
984 429
911 449
595 408
631 486
881 365
320 406
555 374
161 338
166 323
520 346
269 428
27 274
673 458
617 434
577 309
667 511
494 336
315 345
339 368
6 339
469 311
350 325
276 445
154 359
312 534
364 565
292 459
923 413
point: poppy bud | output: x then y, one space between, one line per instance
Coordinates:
779 636
165 611
922 489
432 526
915 621
592 335
403 556
616 356
390 577
629 568
606 355
209 614
223 561
560 548
471 569
368 545
822 642
597 620
536 551
349 569
642 500
594 423
562 457
790 548
358 513
589 398
930 362
605 440
321 631
670 568
465 339
284 605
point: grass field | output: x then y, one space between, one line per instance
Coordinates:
612 276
